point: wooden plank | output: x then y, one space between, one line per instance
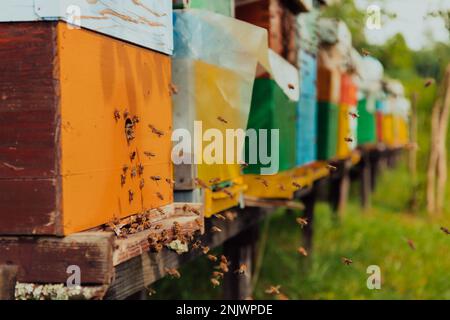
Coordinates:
28 134
272 203
147 23
8 278
45 259
136 244
139 272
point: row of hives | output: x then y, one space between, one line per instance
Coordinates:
89 104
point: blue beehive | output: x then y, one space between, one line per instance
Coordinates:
307 110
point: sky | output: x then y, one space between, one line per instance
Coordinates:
418 30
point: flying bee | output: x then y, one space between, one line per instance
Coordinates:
116 115
155 178
150 291
223 267
201 183
215 229
149 154
123 179
302 221
197 212
215 282
242 269
365 52
291 86
217 274
141 184
263 181
348 139
170 181
445 230
230 215
160 196
295 184
244 165
428 82
214 180
228 193
346 261
411 244
205 249
159 133
331 168
302 251
199 223
173 89
224 259
160 211
221 119
212 258
132 156
273 290
282 188
219 216
174 273
353 115
130 196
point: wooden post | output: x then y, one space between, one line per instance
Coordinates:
8 277
309 200
339 188
365 181
240 250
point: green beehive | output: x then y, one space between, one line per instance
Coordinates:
327 130
224 7
272 109
366 124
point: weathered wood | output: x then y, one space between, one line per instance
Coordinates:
340 187
273 203
365 181
28 134
136 244
240 250
139 272
8 278
46 259
147 23
309 200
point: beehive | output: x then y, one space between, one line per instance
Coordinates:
307 110
214 82
366 121
327 130
380 106
347 126
69 163
276 19
272 109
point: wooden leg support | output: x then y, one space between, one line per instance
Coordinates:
309 201
365 179
240 250
8 276
339 188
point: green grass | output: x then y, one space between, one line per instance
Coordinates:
377 237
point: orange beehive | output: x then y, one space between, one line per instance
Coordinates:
89 137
